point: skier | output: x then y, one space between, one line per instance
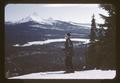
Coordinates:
69 54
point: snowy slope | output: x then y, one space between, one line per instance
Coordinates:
51 41
88 74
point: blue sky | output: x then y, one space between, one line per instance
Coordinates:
80 13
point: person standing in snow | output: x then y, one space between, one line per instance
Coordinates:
69 54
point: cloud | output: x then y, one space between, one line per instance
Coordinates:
70 5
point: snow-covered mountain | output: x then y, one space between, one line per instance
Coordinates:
36 18
33 27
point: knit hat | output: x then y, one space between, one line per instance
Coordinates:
68 34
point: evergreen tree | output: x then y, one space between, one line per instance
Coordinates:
93 30
108 41
91 56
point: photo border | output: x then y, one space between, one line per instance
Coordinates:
5 2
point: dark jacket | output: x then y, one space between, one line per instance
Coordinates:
69 48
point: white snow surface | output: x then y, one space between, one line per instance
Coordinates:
87 74
84 41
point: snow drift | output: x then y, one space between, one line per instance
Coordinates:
88 74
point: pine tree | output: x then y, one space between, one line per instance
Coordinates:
91 56
108 51
93 30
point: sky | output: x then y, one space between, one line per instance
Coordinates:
79 13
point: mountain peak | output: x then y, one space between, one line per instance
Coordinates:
33 17
36 18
